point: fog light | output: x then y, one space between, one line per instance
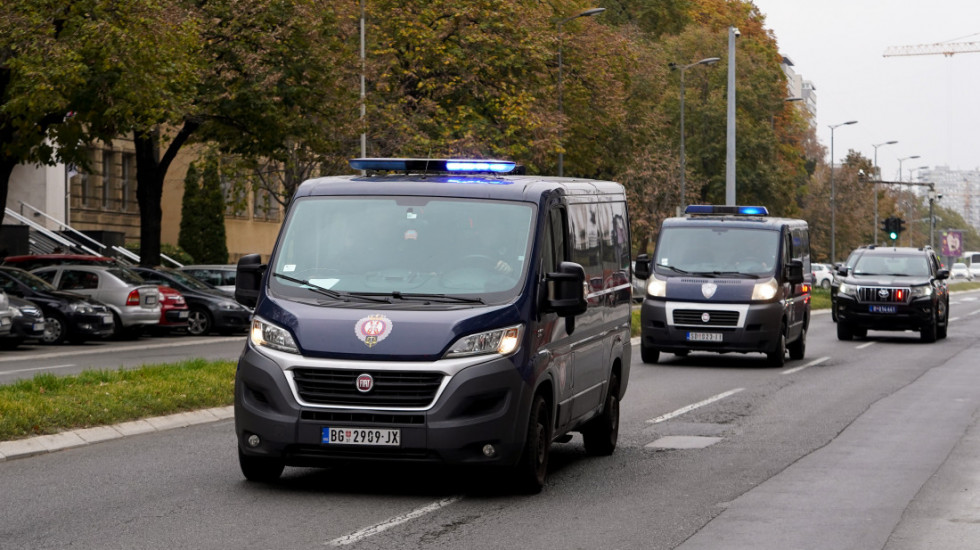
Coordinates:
253 440
489 451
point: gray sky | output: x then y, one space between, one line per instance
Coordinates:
929 104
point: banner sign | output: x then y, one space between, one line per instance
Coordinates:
952 243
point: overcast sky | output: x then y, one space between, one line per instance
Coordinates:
929 104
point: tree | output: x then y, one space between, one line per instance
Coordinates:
190 222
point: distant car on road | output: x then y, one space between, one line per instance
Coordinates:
960 271
135 304
823 275
67 316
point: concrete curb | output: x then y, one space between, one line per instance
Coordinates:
32 446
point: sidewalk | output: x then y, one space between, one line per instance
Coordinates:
41 444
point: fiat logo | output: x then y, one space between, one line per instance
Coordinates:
705 317
365 383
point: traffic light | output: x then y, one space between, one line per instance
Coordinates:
893 226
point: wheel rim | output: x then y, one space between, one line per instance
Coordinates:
197 322
53 330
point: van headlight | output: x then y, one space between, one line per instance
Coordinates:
765 290
657 287
267 335
503 341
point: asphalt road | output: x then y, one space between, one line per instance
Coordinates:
862 445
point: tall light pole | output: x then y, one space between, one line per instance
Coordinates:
733 33
561 92
363 95
682 68
877 178
900 161
833 194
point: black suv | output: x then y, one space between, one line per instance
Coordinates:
893 289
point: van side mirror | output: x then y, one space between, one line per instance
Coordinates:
566 290
248 279
794 272
642 269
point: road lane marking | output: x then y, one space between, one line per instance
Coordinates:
866 345
74 353
806 366
53 367
953 319
362 534
690 408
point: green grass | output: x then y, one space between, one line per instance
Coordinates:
50 404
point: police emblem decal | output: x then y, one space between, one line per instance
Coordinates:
708 289
373 329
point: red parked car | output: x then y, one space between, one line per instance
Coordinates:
173 309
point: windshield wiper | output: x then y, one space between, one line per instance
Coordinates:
738 274
448 298
345 296
675 269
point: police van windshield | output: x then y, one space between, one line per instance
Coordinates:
403 248
718 251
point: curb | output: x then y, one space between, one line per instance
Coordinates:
32 446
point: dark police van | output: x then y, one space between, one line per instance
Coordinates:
436 311
727 279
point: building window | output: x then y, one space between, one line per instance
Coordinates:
126 183
106 179
265 206
236 195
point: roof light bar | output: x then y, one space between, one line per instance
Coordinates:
432 165
730 210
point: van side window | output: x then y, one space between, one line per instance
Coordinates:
553 248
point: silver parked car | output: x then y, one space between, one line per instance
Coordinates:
220 276
135 304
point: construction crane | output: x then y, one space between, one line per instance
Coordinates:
945 48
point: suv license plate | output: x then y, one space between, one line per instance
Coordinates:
387 437
704 337
882 309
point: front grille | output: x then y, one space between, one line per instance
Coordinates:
391 389
364 418
884 295
715 318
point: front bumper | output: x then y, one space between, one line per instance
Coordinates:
917 314
480 404
757 328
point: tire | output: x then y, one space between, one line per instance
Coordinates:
844 332
260 469
942 329
798 348
602 432
55 329
825 284
532 468
649 354
929 333
199 322
777 357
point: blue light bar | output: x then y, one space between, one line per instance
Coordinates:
729 210
432 165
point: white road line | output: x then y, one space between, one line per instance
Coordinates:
806 366
53 367
866 345
954 318
74 353
362 534
690 408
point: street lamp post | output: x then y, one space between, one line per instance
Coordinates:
682 68
877 178
561 92
833 194
900 161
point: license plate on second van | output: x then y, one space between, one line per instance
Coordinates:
388 437
704 337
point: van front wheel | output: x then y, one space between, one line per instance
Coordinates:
530 472
259 468
649 354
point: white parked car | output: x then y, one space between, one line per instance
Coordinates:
960 271
823 275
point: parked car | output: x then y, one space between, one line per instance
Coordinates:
6 315
31 262
135 304
173 309
823 275
221 277
974 270
67 316
210 310
960 271
28 323
639 285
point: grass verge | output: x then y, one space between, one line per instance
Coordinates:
50 404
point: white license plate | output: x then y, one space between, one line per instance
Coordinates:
704 337
386 437
151 300
182 315
39 325
107 318
882 309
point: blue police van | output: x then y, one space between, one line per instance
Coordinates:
727 279
436 310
